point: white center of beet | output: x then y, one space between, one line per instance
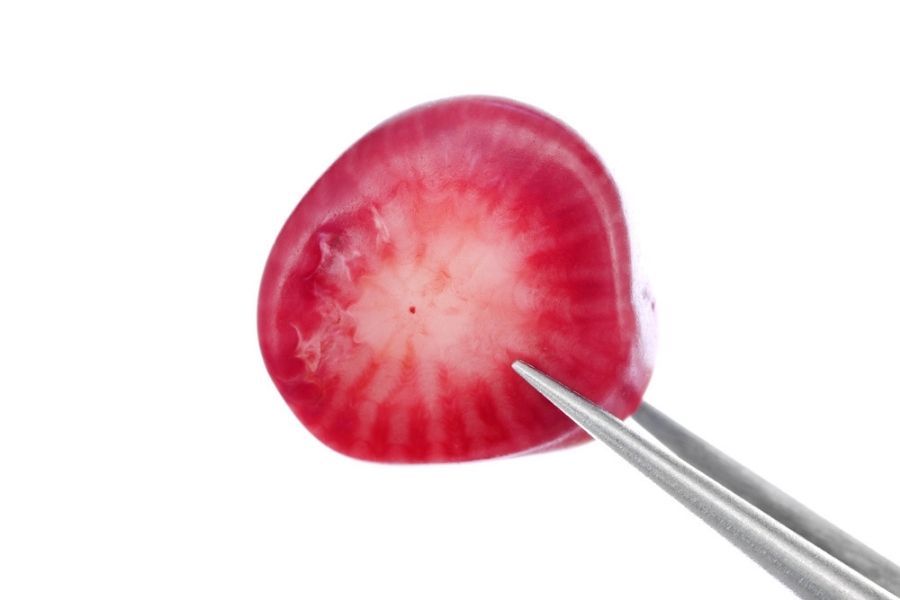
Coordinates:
448 286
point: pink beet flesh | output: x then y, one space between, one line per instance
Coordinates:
446 243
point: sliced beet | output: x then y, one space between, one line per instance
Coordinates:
446 243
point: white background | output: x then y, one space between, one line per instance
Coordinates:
150 153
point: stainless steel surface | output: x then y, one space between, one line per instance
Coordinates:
803 567
768 498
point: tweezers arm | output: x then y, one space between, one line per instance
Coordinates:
801 566
768 498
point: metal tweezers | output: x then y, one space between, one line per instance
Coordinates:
805 552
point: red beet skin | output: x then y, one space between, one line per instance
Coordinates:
446 243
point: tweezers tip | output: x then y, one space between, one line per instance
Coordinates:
548 387
536 379
521 367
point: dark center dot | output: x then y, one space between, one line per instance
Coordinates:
412 309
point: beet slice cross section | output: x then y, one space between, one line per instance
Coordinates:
449 241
